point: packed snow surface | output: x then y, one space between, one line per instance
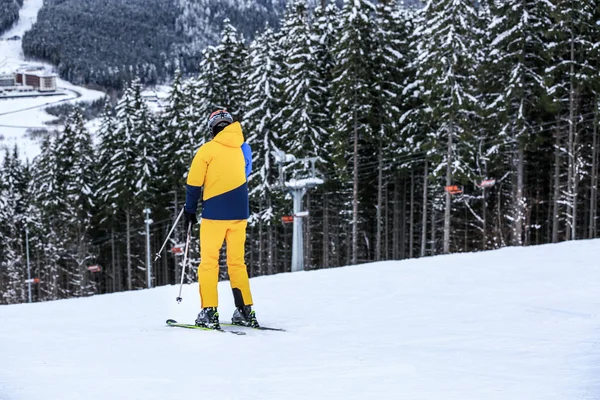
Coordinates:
518 323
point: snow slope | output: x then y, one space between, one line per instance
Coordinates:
518 323
17 116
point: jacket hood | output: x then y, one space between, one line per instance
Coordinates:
231 135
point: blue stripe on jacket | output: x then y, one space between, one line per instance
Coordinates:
232 205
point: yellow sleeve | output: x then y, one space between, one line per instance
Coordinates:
198 169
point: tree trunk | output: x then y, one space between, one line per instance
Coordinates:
424 212
519 210
448 195
325 261
499 233
128 228
594 187
270 251
386 218
484 218
308 235
403 222
396 216
355 190
433 249
259 264
379 202
113 259
571 172
556 195
411 217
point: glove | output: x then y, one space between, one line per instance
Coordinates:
190 218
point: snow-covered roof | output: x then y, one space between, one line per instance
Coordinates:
41 74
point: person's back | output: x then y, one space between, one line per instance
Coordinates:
225 188
222 166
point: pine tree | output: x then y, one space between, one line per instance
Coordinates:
446 66
47 230
128 185
573 35
389 62
324 26
230 56
77 177
353 73
144 146
108 146
260 125
519 53
12 229
177 145
302 87
204 93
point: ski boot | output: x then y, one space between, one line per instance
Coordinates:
208 318
245 317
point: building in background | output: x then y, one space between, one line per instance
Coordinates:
7 79
38 79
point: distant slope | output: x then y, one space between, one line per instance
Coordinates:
9 13
517 323
19 115
107 42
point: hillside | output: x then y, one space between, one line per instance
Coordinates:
110 41
21 117
9 13
518 323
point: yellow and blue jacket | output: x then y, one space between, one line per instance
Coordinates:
222 166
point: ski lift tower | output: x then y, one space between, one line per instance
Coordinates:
297 188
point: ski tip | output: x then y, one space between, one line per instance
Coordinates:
171 321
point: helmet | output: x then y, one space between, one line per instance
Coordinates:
219 118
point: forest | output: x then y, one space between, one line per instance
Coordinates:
9 13
111 42
440 129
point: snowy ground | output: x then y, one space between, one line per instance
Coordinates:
519 323
17 116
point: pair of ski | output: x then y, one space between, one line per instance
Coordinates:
172 322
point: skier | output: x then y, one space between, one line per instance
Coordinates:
222 166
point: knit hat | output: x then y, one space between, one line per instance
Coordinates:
218 120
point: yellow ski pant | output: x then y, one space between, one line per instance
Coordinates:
212 234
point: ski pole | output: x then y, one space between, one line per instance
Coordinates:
169 235
185 259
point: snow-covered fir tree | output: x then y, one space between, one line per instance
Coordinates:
12 254
261 127
128 185
230 56
520 54
446 66
176 145
323 37
303 102
353 74
204 92
47 197
76 180
574 75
